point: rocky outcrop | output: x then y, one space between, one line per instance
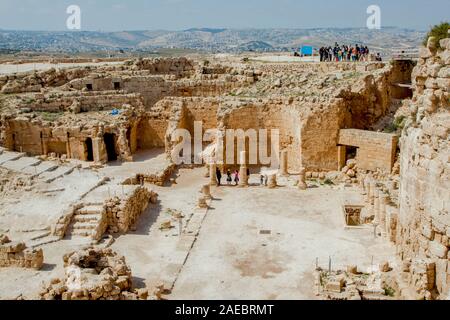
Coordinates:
94 274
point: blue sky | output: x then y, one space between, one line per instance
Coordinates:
116 15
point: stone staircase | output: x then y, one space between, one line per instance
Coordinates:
45 171
89 221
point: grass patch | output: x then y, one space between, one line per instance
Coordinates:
50 116
439 31
397 125
388 291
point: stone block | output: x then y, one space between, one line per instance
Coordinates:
438 249
335 286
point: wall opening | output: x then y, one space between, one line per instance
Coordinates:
110 142
116 85
89 87
350 153
352 215
89 150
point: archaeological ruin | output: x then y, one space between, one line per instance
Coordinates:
356 208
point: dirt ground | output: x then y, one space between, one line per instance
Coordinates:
253 243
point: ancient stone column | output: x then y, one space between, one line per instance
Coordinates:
368 191
302 180
373 188
383 204
202 201
243 177
272 181
284 163
362 185
206 191
376 206
212 174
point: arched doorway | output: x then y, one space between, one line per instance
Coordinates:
89 150
110 143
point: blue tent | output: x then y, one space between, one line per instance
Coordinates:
307 51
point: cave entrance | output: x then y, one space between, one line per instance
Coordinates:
89 87
110 143
89 150
116 85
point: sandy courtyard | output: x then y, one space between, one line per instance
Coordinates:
253 243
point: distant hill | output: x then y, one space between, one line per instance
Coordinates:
207 39
209 30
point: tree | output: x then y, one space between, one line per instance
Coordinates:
439 31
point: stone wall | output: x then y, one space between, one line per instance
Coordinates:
34 82
375 150
122 214
424 219
16 254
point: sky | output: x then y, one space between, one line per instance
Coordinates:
119 15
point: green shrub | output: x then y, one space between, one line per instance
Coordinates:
439 31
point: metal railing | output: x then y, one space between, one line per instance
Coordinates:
405 54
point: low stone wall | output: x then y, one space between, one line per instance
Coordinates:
122 214
16 254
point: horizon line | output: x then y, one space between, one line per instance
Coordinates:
212 28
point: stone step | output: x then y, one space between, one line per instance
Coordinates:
57 173
20 164
84 226
91 209
42 241
94 218
39 169
81 233
10 156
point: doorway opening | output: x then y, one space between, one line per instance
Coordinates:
350 153
89 150
110 142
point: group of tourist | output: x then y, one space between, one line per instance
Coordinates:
235 177
345 53
230 177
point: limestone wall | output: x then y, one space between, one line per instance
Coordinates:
16 254
269 114
424 219
79 102
122 214
34 82
375 150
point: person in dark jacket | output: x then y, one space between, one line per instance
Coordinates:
218 176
